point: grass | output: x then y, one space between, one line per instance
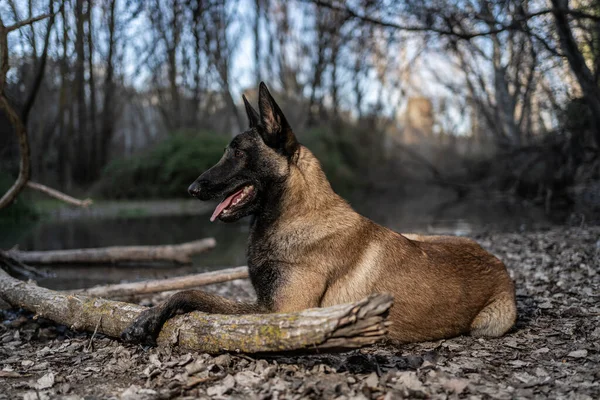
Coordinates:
163 171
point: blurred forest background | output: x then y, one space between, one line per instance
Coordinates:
125 99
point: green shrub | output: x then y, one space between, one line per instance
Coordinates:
168 168
164 171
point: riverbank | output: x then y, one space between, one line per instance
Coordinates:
553 351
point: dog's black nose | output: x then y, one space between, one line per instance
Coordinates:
194 189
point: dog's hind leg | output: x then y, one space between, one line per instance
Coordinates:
497 317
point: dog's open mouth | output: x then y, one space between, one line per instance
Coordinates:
234 202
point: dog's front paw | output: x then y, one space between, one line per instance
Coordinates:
144 329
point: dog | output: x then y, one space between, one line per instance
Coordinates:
308 248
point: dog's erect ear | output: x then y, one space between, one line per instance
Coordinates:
276 132
253 117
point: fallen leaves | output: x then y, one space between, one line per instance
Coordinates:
578 354
10 374
45 382
553 352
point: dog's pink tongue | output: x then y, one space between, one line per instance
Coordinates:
222 205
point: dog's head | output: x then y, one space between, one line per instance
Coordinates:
254 161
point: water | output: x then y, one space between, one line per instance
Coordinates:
102 232
429 214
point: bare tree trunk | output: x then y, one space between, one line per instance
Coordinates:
342 326
586 80
197 34
219 51
107 129
319 68
257 41
361 54
505 104
80 142
335 98
172 47
34 52
65 109
41 66
179 253
93 132
18 126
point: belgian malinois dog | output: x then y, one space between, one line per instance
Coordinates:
308 248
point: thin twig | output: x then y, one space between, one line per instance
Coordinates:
515 24
59 195
28 21
89 346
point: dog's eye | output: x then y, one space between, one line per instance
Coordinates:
238 153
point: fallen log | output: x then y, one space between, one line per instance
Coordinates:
163 285
338 327
177 253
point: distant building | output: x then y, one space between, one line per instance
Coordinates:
418 121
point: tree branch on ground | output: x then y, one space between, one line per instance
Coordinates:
122 290
178 253
343 326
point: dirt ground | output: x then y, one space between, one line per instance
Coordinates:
553 351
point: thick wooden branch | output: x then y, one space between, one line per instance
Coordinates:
162 285
15 120
340 327
25 164
177 253
59 195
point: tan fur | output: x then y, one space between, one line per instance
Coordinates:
443 286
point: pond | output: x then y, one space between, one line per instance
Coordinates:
428 213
